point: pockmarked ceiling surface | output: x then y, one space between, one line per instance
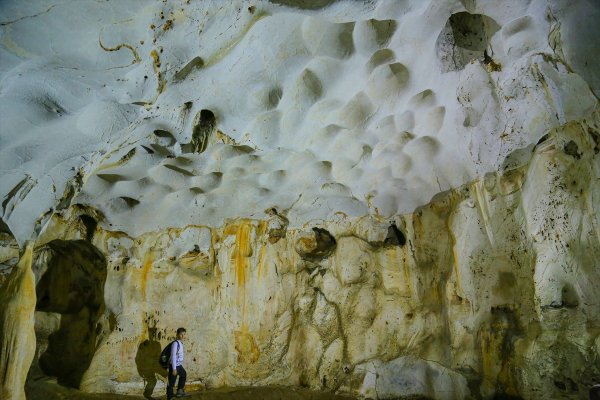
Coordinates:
158 113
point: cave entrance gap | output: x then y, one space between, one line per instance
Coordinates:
71 283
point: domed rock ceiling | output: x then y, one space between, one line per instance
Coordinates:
385 199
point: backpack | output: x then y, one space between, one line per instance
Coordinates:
165 355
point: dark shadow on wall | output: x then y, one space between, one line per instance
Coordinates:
147 364
73 286
465 37
305 4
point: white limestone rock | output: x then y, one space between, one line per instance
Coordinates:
410 377
308 92
17 334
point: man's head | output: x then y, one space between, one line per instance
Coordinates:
180 333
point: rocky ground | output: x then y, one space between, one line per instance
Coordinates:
51 391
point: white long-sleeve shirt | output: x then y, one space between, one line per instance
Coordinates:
176 354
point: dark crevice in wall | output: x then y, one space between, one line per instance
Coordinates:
72 285
305 4
465 37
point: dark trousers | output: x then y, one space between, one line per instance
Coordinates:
172 378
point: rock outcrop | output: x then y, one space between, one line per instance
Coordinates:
17 334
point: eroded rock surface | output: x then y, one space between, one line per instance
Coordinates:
17 334
486 297
384 199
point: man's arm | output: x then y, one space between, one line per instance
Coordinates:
174 347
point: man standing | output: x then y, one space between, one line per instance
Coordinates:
176 366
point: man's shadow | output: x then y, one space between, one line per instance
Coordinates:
146 360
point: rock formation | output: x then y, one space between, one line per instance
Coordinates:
387 199
17 334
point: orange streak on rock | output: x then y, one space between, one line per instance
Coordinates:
146 266
245 345
243 250
261 260
230 229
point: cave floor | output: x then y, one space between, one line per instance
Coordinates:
51 391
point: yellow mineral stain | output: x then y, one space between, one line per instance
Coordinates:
193 259
511 181
214 239
407 278
179 15
457 277
342 214
243 250
540 76
223 137
434 295
155 60
261 230
508 381
136 57
17 334
488 356
162 83
261 260
218 56
391 268
484 211
369 200
455 258
123 160
27 289
230 229
308 243
13 47
246 347
146 266
419 230
242 240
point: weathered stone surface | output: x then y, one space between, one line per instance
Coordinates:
17 334
316 246
380 198
492 294
411 377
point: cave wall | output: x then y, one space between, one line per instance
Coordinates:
383 198
489 290
70 276
17 334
